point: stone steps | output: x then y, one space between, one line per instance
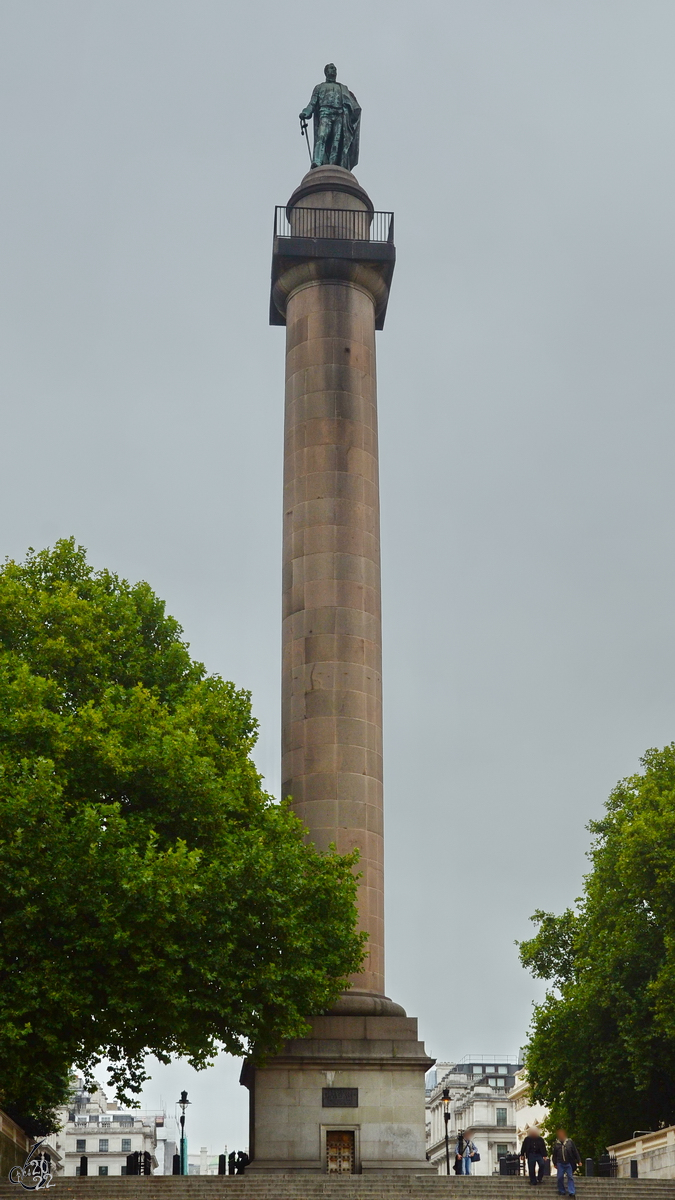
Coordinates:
399 1184
351 1187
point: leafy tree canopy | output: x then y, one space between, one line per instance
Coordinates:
602 1045
153 898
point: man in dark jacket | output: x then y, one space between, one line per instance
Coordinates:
566 1158
242 1162
534 1150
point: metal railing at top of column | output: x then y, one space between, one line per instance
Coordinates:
345 224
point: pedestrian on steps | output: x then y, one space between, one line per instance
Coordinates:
566 1158
242 1162
534 1150
464 1149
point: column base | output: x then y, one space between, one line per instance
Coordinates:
352 1090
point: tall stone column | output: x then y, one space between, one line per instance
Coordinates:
332 645
353 1089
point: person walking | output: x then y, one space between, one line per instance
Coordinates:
464 1150
534 1150
566 1158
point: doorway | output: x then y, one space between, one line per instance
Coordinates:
340 1151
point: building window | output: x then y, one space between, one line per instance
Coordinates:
502 1150
503 1070
501 1083
77 1170
490 1070
501 1116
103 1170
81 1145
123 1171
126 1145
103 1146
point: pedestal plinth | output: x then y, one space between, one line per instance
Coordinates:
356 1075
332 265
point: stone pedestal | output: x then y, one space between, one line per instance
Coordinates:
330 286
362 1075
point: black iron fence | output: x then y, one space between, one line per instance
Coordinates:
510 1164
346 224
139 1163
607 1167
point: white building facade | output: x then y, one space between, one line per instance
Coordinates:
100 1130
479 1095
527 1113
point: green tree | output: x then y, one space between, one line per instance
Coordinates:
153 898
602 1044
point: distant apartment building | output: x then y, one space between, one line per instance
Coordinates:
478 1099
168 1138
97 1128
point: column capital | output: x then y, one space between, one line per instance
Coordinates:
329 231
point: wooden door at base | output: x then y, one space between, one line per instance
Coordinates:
340 1151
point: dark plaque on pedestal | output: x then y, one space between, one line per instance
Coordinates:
340 1097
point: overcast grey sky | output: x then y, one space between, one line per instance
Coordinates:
526 407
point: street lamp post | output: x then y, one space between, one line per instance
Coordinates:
182 1104
446 1118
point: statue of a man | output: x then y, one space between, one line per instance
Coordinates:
337 119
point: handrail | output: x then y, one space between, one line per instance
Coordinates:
343 224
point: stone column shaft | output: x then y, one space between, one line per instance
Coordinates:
332 646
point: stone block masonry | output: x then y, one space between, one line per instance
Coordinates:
332 645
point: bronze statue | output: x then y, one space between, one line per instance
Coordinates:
337 121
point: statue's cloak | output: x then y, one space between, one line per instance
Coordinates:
351 128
